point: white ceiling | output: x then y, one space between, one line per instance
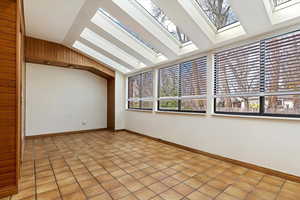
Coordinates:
50 19
63 21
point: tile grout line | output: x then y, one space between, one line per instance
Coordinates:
251 192
92 176
137 155
211 178
50 161
281 186
132 193
70 171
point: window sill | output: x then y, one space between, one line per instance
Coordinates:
180 113
139 110
256 117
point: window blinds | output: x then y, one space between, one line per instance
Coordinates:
169 82
140 91
237 71
262 77
282 64
182 85
267 67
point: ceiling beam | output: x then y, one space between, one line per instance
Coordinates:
109 50
200 34
252 15
135 17
104 27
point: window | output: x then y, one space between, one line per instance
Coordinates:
182 87
237 79
102 43
262 78
140 91
219 12
128 30
102 58
159 15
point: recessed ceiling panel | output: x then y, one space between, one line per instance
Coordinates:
128 30
159 15
218 12
95 54
107 46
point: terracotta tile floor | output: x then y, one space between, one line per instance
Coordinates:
105 165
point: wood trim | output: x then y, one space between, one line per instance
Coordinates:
222 158
65 133
50 53
111 104
9 99
19 55
9 190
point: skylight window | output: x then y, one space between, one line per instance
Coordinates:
102 43
95 54
163 20
280 2
219 12
128 30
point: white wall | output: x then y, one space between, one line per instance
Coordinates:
60 100
271 143
120 92
265 142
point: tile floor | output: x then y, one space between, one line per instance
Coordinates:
105 165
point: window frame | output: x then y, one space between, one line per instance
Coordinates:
140 99
165 29
212 24
179 99
261 96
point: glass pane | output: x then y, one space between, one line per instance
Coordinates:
237 71
134 84
193 77
169 81
288 104
193 105
279 2
134 104
168 104
128 30
147 84
147 105
219 12
282 71
238 104
164 20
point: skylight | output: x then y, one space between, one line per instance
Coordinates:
102 43
95 54
132 33
280 2
159 15
219 12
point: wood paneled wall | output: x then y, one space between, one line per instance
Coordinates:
50 53
111 104
10 57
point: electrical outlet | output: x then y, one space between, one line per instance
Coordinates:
83 123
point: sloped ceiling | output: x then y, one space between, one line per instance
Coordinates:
71 22
50 19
